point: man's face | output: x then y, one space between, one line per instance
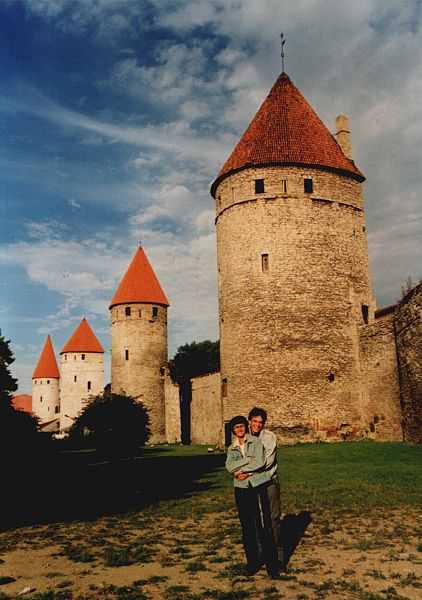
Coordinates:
256 425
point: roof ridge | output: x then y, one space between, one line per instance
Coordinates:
47 364
286 130
139 284
83 339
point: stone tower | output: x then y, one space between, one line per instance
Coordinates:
82 370
293 271
138 313
46 385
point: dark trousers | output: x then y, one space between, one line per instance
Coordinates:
253 506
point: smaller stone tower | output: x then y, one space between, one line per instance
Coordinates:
82 369
138 313
45 385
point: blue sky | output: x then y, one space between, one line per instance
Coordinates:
115 116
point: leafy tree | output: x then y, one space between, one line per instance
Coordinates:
115 423
197 358
191 360
8 384
18 430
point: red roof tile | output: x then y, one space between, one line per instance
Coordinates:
47 364
22 402
83 339
287 131
139 284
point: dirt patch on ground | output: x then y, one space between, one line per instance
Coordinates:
342 555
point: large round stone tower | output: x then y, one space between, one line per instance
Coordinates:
82 370
293 271
46 385
138 313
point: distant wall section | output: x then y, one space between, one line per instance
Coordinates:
172 411
206 410
380 410
409 348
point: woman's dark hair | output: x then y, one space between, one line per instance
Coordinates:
258 412
237 421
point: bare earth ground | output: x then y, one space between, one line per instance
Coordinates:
371 556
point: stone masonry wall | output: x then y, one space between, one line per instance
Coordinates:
381 400
409 345
290 334
138 359
82 376
206 410
172 411
46 398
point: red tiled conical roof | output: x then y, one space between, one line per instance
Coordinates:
23 402
139 284
83 339
47 364
287 131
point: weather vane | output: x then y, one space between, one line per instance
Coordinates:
283 41
140 243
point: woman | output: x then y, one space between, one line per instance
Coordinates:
246 462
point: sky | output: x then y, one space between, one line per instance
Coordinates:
116 116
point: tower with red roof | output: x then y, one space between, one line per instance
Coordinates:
138 313
82 372
294 284
46 385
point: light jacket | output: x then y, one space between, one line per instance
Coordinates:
253 462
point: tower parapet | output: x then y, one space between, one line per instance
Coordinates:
82 369
46 385
138 314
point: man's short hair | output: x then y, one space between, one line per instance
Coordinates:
258 412
239 420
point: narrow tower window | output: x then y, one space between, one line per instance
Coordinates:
56 409
74 379
126 354
284 186
83 356
365 313
308 186
154 312
259 186
224 387
48 381
265 263
40 398
89 385
127 311
140 313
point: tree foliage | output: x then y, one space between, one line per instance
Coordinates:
8 384
18 430
115 423
196 358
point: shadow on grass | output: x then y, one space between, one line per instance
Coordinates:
293 529
82 485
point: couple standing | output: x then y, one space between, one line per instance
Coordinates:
252 460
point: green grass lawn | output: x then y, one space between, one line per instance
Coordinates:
352 475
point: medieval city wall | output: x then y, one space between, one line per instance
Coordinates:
139 357
206 410
289 334
381 399
172 411
82 377
409 347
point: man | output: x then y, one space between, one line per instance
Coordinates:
257 419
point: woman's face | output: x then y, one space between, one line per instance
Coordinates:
239 430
